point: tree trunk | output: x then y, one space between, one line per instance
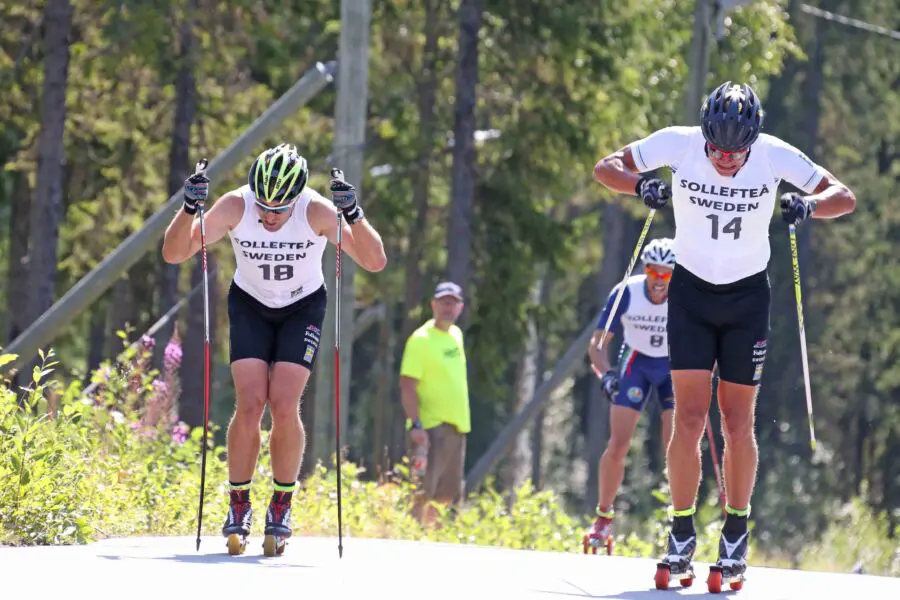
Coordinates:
459 233
890 473
96 338
46 211
121 315
17 266
813 111
17 274
516 464
859 451
380 427
537 439
179 165
427 89
191 402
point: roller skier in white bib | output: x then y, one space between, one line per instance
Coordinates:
278 227
640 319
725 176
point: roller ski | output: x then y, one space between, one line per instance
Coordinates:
600 535
238 524
731 565
278 527
677 561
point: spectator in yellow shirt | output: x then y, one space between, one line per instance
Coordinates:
435 396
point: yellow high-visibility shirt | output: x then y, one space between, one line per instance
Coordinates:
438 360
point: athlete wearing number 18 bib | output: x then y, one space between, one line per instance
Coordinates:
277 299
279 228
725 177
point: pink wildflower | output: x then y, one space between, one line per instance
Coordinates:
180 433
172 358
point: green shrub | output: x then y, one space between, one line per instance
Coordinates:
113 462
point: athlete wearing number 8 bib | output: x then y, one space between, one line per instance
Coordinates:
725 177
640 319
279 228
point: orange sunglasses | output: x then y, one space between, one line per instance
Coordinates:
655 273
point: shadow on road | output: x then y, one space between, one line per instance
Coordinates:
213 559
651 593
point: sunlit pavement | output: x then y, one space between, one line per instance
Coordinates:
170 567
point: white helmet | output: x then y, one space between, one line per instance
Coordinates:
659 252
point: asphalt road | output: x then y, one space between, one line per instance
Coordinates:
163 568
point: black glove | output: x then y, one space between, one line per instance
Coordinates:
196 188
343 195
653 191
795 208
610 384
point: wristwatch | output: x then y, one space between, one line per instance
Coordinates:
417 424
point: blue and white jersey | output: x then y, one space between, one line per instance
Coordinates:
643 323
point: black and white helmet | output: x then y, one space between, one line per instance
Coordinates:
659 252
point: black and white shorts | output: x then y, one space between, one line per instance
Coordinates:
725 324
287 334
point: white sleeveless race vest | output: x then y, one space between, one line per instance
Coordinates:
722 223
644 323
277 267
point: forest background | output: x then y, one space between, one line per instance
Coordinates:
107 105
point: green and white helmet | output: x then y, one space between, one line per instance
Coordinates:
659 252
278 175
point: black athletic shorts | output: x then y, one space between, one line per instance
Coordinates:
725 324
287 334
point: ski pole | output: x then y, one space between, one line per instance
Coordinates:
338 174
201 167
792 230
634 256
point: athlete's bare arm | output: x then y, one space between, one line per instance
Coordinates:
618 171
600 358
182 239
832 197
360 241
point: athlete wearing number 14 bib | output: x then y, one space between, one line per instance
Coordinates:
725 176
279 228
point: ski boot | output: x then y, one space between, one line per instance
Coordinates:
731 565
278 526
600 534
238 523
677 561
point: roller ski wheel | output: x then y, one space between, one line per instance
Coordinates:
273 545
238 523
599 536
237 544
719 575
676 564
591 545
731 565
665 574
278 527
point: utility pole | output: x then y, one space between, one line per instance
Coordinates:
705 11
698 62
347 155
